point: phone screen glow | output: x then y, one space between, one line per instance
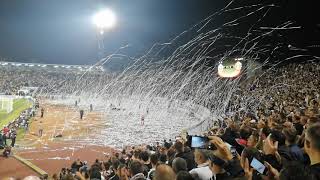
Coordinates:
198 142
257 165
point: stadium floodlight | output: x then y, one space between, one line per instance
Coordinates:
104 19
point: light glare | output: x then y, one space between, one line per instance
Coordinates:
104 19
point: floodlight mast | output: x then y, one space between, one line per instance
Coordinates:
103 20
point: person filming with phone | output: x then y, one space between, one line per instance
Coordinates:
202 171
222 160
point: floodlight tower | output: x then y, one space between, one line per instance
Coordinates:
104 21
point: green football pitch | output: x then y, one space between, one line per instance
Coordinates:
19 105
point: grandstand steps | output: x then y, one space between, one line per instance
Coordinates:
11 167
39 171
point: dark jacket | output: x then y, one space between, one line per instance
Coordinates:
76 166
223 176
285 154
230 137
315 170
299 128
296 153
145 170
234 168
189 157
272 160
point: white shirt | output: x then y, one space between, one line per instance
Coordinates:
203 171
149 173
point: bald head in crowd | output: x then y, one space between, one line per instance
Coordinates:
164 172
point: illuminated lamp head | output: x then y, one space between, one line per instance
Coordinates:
230 70
104 20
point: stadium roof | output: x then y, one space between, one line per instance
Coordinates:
52 66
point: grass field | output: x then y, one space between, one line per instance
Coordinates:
19 105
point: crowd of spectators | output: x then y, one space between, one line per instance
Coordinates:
280 90
281 154
10 130
271 131
49 81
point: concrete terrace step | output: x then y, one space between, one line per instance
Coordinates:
41 172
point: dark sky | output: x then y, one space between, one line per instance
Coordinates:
61 31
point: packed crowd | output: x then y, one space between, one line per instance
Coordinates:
48 81
282 90
272 131
270 154
10 130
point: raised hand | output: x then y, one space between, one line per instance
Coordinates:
270 147
221 147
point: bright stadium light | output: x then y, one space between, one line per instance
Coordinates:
104 19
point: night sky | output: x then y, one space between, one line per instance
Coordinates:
61 31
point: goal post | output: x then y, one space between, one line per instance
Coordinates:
6 104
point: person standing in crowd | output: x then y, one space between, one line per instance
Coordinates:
185 153
164 172
1 141
142 120
13 136
42 112
121 173
81 113
5 134
7 151
202 171
76 103
136 171
312 148
91 108
33 112
144 158
154 161
76 165
26 126
179 164
40 130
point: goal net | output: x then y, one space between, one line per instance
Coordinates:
6 104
